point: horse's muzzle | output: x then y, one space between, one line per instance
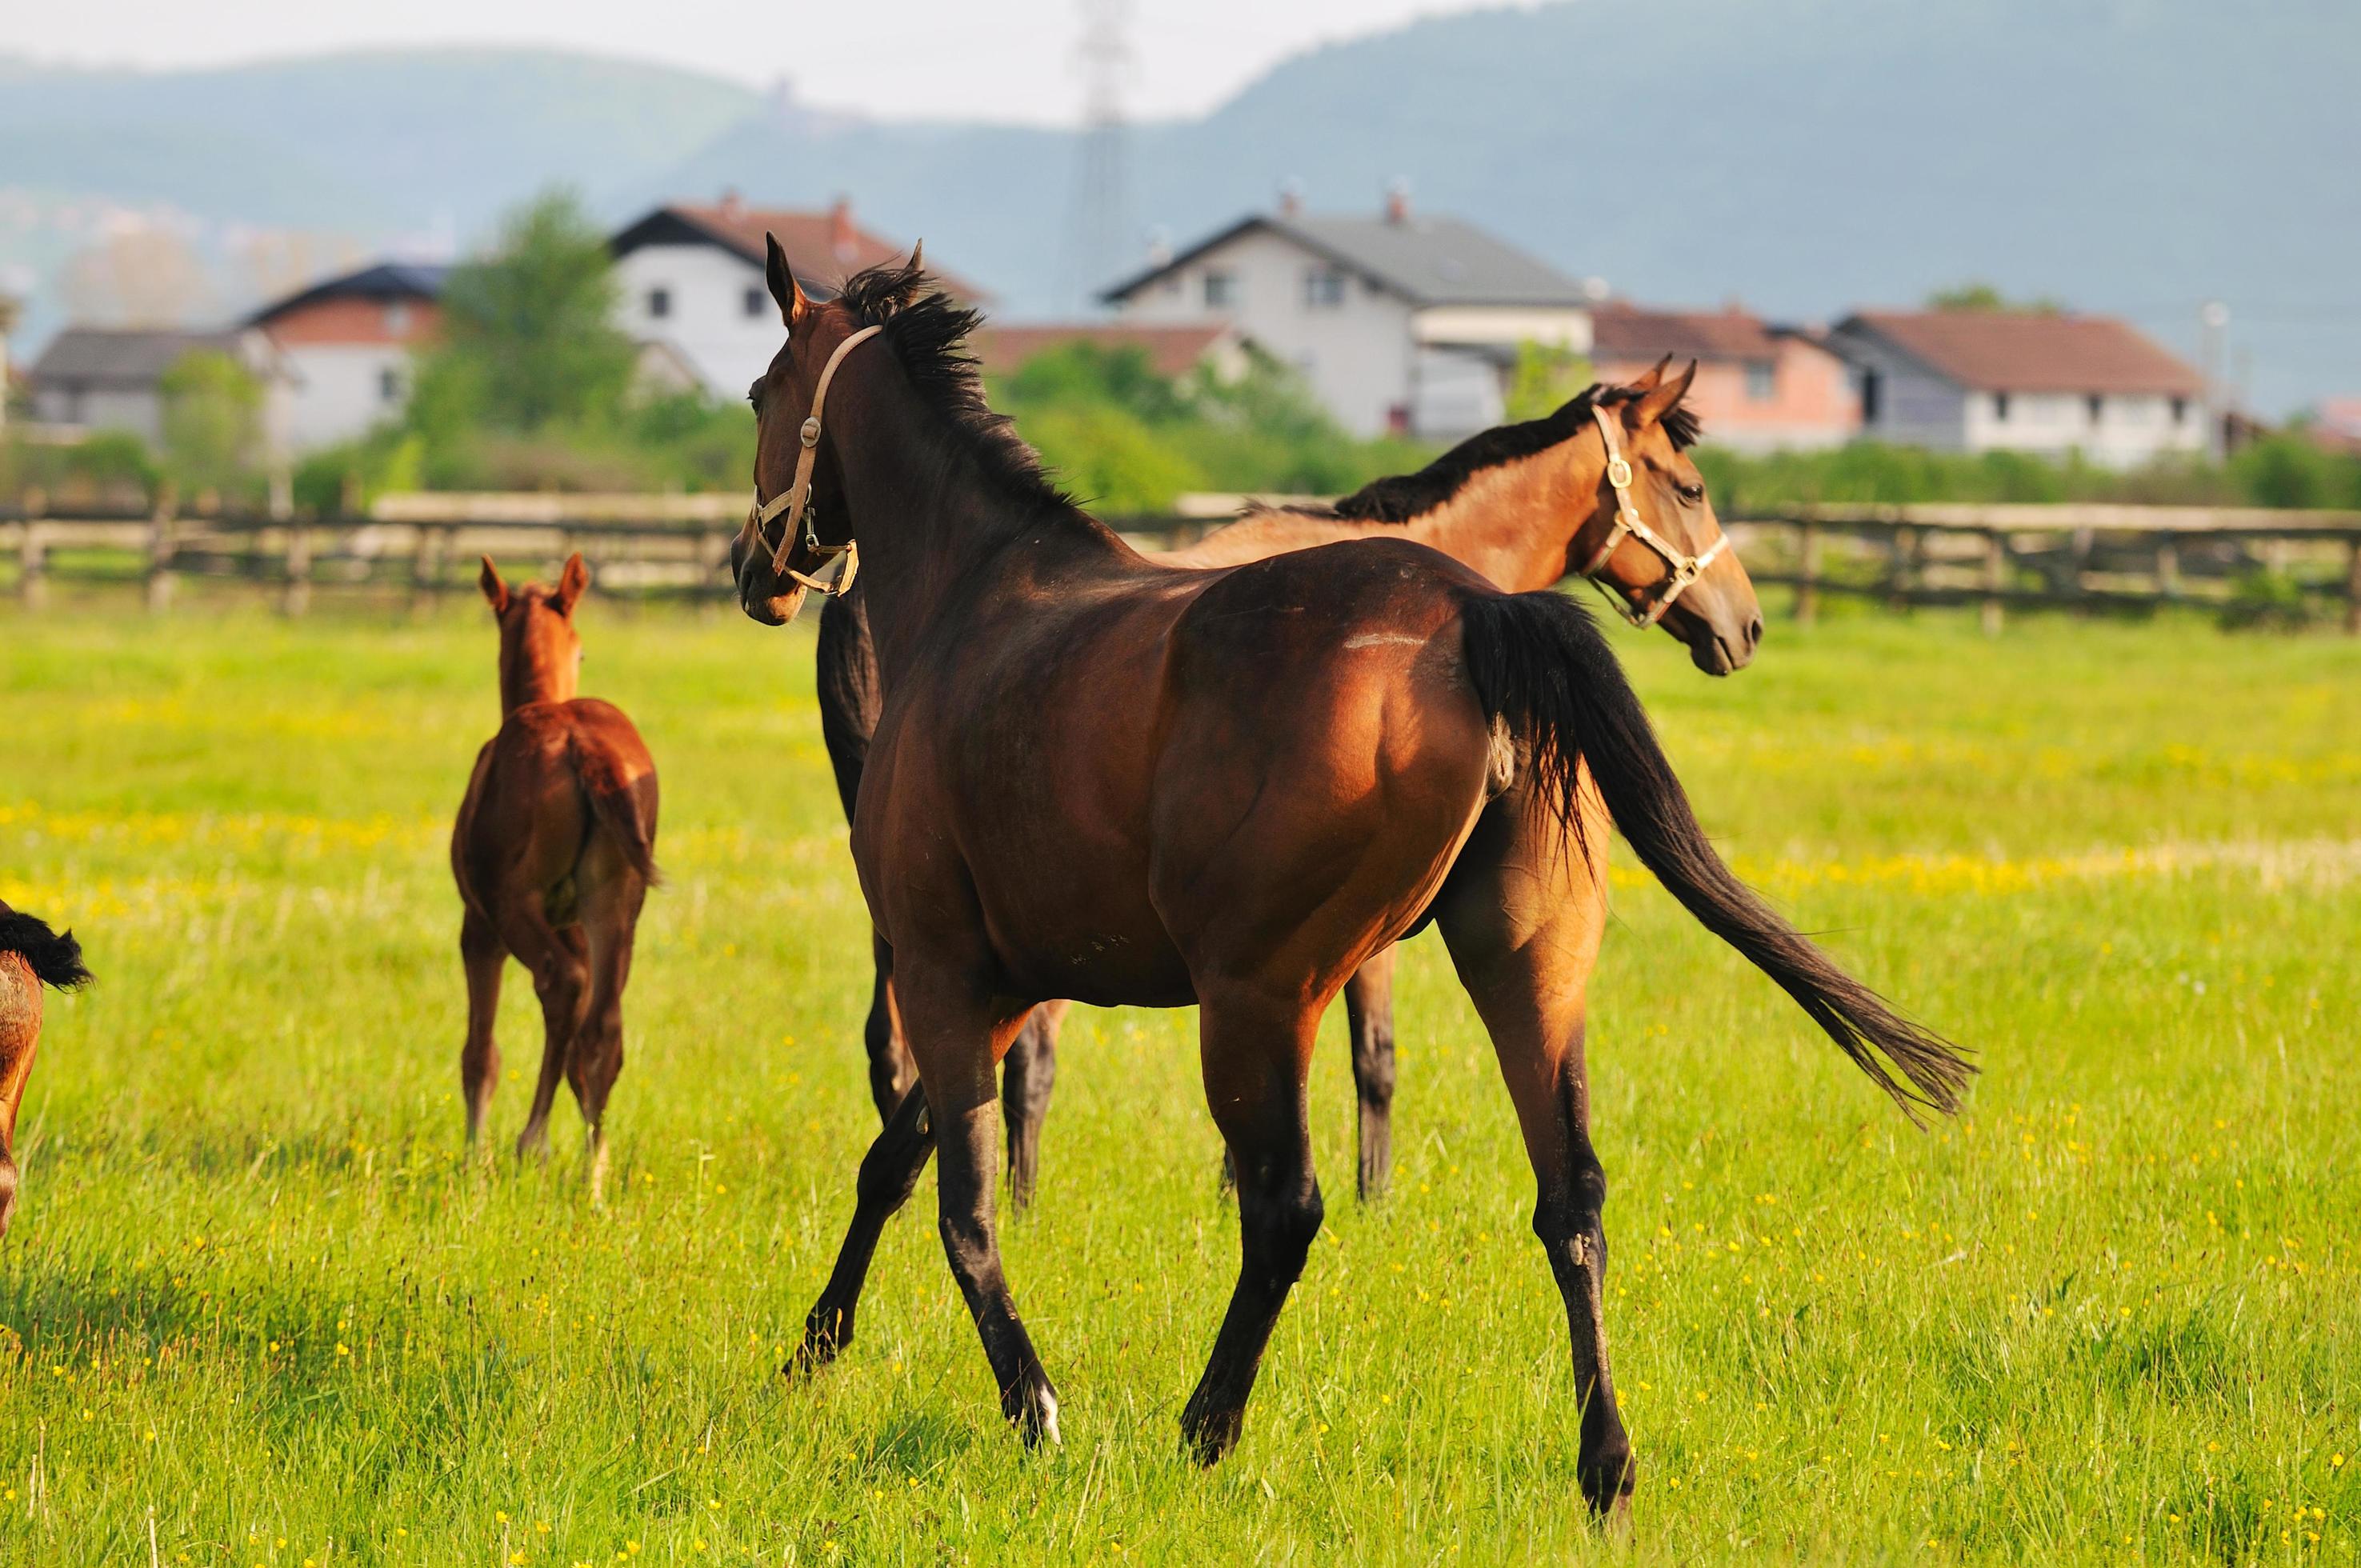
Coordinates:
765 595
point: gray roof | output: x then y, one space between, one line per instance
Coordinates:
119 356
1427 260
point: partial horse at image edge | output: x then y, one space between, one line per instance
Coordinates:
31 956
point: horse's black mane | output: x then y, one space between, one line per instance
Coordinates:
1398 498
927 331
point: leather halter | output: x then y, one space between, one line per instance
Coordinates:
1682 568
796 500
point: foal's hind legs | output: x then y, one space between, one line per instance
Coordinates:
1027 1076
479 1058
1523 926
1370 1015
1256 1052
559 961
610 917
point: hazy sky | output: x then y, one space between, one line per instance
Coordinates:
1012 60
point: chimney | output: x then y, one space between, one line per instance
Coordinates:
1290 198
1397 201
839 230
732 206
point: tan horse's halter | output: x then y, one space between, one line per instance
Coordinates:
1682 568
797 499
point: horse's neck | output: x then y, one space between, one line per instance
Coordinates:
524 679
1516 522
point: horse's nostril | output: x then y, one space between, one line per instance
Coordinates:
1754 632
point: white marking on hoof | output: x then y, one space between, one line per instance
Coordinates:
1049 1418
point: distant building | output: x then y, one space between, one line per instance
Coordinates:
692 277
93 378
346 344
1759 388
1398 321
2011 381
1174 351
2335 426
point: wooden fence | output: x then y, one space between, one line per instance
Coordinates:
420 547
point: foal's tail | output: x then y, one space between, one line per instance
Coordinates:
615 804
55 956
1541 666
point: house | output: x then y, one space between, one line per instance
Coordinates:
346 344
693 276
93 378
1759 388
2021 381
1398 321
1174 350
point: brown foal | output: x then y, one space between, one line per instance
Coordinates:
554 851
31 956
1517 504
1102 778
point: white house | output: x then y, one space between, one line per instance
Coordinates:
346 344
2021 381
92 378
691 278
1397 321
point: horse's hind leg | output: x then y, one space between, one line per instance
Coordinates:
559 960
890 1072
1027 1076
610 917
1370 1013
1256 1052
1523 916
479 1058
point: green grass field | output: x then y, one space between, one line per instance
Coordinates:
255 1294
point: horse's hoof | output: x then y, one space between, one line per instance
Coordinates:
1033 1412
1209 1434
1607 1486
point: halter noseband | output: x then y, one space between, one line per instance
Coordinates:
1684 568
796 501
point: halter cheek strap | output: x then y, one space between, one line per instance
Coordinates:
796 501
1682 568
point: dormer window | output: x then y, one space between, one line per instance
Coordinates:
1221 290
396 319
1323 288
756 298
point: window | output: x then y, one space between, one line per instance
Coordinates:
1871 387
2179 411
2098 405
2000 408
1323 288
388 385
660 302
396 319
755 300
1221 290
1762 381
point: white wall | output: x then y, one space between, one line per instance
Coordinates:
722 319
1358 355
2126 432
339 390
139 412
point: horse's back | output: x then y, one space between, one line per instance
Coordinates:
536 795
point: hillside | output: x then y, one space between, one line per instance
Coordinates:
2137 156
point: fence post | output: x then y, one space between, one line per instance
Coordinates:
296 599
1808 572
160 549
426 567
2168 567
32 559
1903 560
1995 579
2353 586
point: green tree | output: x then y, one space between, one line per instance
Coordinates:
528 338
1544 376
1981 296
212 420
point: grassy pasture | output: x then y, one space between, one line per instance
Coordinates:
254 1295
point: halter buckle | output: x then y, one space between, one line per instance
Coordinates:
1619 471
811 430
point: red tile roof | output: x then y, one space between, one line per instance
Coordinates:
824 248
1620 330
2002 351
1172 351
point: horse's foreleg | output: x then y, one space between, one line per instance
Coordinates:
1523 927
1027 1076
1255 1053
1370 1013
480 1058
889 1173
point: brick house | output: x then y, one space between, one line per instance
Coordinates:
346 344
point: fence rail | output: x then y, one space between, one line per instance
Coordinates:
424 546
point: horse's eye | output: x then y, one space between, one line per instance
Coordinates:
754 396
1691 493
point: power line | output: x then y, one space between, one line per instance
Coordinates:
1099 247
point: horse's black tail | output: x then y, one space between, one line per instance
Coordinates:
1542 667
55 956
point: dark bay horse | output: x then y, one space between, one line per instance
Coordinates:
31 956
1101 778
1517 503
554 851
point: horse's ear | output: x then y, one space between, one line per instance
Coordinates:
1647 383
917 255
1663 398
782 279
571 582
496 592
